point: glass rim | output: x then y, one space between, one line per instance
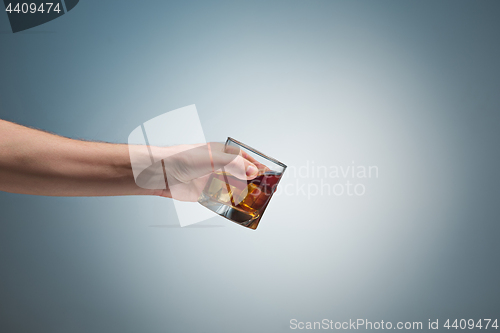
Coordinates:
256 152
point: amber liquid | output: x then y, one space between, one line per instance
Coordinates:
247 198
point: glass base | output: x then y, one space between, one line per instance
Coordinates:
233 214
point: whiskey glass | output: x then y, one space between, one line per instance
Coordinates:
238 200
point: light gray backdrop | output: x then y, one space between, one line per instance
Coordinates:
409 87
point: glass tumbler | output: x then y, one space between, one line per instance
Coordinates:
243 201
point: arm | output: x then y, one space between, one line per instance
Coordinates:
40 163
36 162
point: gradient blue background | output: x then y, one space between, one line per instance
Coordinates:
411 87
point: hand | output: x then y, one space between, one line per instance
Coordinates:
181 172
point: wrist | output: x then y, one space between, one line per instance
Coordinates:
145 168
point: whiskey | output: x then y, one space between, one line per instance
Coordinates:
243 201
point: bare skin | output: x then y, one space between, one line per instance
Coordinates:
39 163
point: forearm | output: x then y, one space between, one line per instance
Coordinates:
35 162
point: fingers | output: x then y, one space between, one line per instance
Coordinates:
194 161
262 168
236 165
247 164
